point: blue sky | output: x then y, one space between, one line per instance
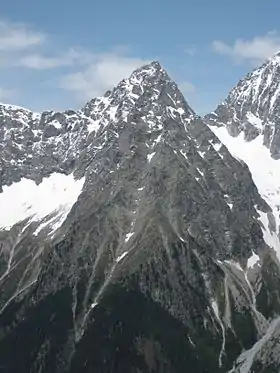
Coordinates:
59 54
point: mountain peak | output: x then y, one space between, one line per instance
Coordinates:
148 88
253 106
154 67
152 70
275 57
156 64
147 214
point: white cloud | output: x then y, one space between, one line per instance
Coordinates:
254 50
6 94
39 61
191 51
83 74
18 37
102 74
186 87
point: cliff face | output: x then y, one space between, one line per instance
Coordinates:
247 122
150 252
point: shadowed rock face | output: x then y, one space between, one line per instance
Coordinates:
151 269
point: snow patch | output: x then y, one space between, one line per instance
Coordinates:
93 125
17 108
275 97
26 200
128 236
234 264
191 341
93 305
171 99
119 258
157 140
230 205
216 146
150 156
215 308
56 124
201 153
183 154
173 112
254 120
270 237
112 112
201 172
253 260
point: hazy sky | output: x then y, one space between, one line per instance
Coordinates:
57 54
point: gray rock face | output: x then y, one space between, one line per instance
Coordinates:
251 116
253 106
154 268
264 355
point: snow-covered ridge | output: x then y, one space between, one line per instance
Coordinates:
133 94
262 87
63 134
16 108
253 106
57 139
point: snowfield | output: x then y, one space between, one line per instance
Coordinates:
55 195
266 175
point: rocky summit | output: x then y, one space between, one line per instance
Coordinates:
253 106
137 237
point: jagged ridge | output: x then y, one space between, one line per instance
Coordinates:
166 219
252 106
